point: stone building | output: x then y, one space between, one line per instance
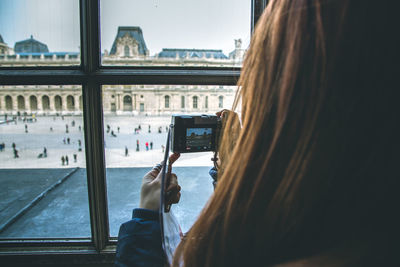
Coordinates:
129 48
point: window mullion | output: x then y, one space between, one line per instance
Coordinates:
257 8
93 119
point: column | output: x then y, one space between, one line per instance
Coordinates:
64 104
120 106
76 100
27 103
15 104
52 106
2 103
39 104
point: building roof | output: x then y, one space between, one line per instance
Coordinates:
191 53
134 32
1 39
30 46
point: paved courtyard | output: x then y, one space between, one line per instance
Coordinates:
40 197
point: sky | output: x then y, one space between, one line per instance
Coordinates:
200 24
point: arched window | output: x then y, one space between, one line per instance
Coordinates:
70 103
127 103
45 102
166 101
33 102
183 101
220 101
58 103
21 102
126 51
195 98
9 105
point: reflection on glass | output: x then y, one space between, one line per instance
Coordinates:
42 163
204 33
39 33
135 138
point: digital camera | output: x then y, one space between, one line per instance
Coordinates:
197 133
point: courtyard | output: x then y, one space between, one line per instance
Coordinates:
41 197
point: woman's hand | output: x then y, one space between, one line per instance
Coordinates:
151 186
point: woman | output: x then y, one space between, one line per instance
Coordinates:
312 179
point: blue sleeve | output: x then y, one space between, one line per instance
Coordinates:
139 241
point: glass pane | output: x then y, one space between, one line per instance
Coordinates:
39 33
42 163
175 32
136 118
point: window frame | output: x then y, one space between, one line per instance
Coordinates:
99 249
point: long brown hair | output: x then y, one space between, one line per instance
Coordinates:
313 176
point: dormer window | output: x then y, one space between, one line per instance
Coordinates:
126 51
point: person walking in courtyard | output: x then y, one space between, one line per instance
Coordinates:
66 128
62 160
80 128
2 146
151 145
16 153
26 128
66 160
147 146
149 129
159 129
118 129
75 157
45 152
137 144
68 141
64 141
162 148
13 146
126 151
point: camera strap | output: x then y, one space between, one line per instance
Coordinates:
171 233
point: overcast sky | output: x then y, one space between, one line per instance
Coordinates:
201 24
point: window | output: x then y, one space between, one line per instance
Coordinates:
183 101
206 102
220 101
195 102
128 30
84 223
126 51
166 101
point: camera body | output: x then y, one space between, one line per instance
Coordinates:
194 133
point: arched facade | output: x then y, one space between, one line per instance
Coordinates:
70 103
21 103
127 103
58 103
9 103
45 103
33 103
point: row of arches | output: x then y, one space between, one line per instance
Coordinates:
195 100
33 103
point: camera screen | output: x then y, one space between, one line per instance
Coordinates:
198 138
